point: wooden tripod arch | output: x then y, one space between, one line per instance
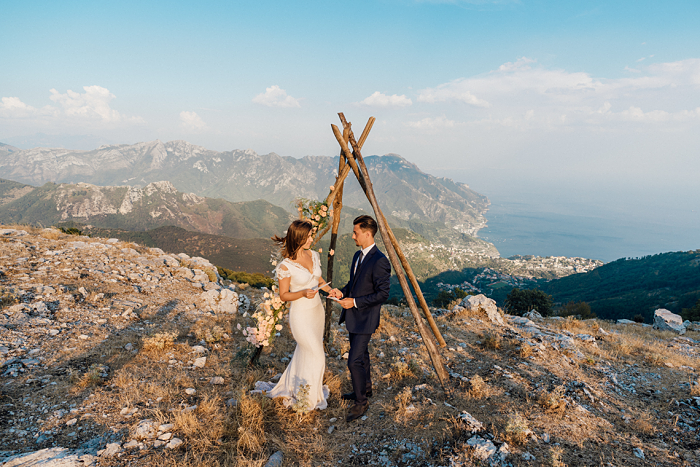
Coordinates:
351 159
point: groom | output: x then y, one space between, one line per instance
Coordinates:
364 294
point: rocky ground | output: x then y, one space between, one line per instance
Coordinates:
115 354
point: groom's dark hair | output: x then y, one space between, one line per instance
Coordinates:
366 223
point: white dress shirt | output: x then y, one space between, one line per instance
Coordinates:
357 266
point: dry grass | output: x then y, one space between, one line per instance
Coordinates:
517 429
403 400
525 350
158 342
554 400
491 340
555 454
695 388
478 388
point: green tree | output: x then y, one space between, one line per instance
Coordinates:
521 301
692 314
582 310
446 297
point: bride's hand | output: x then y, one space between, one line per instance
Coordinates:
309 293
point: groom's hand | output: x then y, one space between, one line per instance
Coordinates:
347 303
335 293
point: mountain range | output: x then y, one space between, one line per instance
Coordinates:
431 206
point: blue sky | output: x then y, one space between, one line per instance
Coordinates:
586 103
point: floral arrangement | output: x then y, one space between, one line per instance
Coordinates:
267 317
316 212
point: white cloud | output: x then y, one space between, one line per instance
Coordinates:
14 103
564 98
276 97
91 107
190 121
432 123
382 100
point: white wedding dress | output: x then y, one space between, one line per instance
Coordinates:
306 320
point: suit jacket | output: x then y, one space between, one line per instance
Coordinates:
369 286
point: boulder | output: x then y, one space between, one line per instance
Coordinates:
664 320
533 314
57 457
483 449
626 321
482 303
220 301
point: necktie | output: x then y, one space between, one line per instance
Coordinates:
359 261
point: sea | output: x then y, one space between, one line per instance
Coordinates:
523 228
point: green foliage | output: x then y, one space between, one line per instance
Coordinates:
71 230
254 279
445 297
581 310
521 301
692 314
638 318
626 287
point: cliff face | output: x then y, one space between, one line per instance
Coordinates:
156 204
404 191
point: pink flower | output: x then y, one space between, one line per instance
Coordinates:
320 250
278 327
331 252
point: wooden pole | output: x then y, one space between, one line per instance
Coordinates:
337 207
336 197
399 252
369 191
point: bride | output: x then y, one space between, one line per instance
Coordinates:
298 274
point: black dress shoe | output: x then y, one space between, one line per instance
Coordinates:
356 411
351 396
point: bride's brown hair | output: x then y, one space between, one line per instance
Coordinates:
297 233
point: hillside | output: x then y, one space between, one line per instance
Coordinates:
116 354
404 191
631 286
131 208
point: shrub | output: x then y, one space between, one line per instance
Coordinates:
516 428
553 400
445 297
478 388
491 341
254 279
638 319
159 341
580 310
521 301
71 230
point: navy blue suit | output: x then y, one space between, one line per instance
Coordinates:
369 286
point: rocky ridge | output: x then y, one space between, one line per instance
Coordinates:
116 354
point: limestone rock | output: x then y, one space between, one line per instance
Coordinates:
626 321
146 429
220 301
483 449
112 449
50 457
474 425
174 443
275 460
533 314
664 320
482 303
200 362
